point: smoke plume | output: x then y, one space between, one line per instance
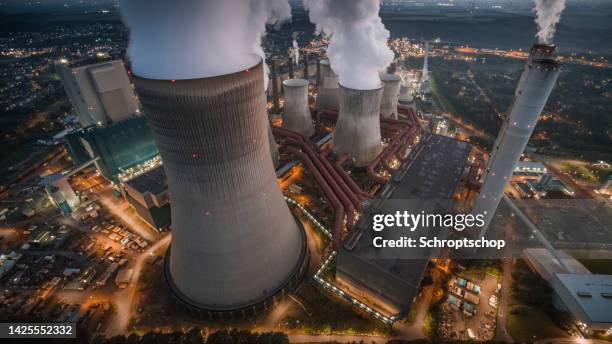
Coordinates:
296 52
358 48
187 39
548 14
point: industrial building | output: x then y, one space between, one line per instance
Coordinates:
236 249
433 170
534 88
357 131
587 297
99 91
119 146
438 125
148 195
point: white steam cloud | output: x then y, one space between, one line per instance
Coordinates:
296 53
358 50
548 14
187 39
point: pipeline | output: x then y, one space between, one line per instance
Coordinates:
297 139
339 219
347 179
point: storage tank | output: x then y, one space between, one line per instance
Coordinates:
236 248
296 116
357 131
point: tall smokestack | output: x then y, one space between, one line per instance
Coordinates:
290 65
357 131
275 86
531 96
236 248
328 90
306 69
297 114
388 103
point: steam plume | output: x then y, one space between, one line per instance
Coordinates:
358 49
296 52
548 14
186 39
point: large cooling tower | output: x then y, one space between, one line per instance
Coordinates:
531 96
327 87
388 103
297 113
236 248
357 131
405 97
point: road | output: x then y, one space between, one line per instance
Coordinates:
124 299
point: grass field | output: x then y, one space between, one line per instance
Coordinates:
531 324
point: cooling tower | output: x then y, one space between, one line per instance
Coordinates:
388 103
405 97
328 88
297 113
236 248
531 95
357 131
274 153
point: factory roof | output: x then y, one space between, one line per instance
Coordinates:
435 171
545 264
592 294
153 181
432 172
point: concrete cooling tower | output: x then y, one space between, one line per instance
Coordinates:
405 98
327 87
357 131
236 248
297 113
533 90
388 103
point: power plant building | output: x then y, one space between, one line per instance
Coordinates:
99 91
236 248
433 171
148 195
119 145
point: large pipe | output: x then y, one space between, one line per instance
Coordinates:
236 248
388 103
335 203
296 116
290 64
336 185
535 87
357 131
